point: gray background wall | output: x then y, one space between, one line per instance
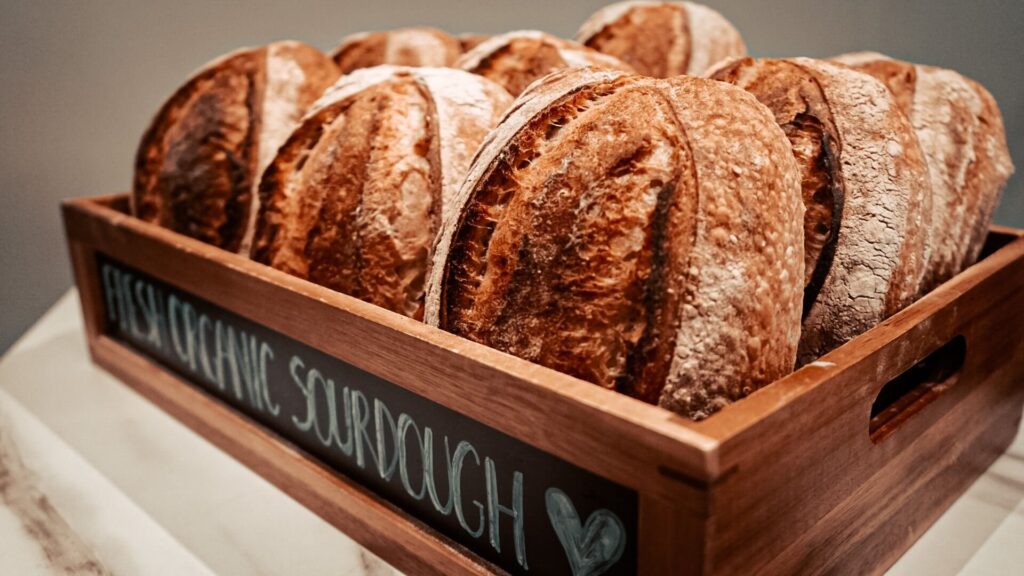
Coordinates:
79 81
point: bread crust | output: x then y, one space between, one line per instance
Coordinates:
470 40
516 59
878 249
199 161
601 231
354 198
740 326
419 46
662 39
963 139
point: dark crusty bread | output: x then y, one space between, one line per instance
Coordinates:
199 161
662 39
420 46
638 233
963 139
516 59
865 187
355 197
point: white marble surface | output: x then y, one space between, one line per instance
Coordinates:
122 488
139 491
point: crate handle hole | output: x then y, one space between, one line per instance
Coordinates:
908 393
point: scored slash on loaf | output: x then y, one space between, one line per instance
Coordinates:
680 240
587 300
199 162
865 187
354 198
638 233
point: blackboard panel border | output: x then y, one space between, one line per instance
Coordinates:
556 472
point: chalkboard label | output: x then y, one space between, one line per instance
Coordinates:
521 508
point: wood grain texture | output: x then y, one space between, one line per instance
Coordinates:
869 530
672 540
787 480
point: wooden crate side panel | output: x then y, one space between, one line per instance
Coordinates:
83 267
672 539
802 460
872 528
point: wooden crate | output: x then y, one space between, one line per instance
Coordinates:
836 468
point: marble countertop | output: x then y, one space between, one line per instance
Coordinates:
96 480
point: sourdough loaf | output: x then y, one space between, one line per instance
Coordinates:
662 39
865 188
516 59
469 41
961 133
419 46
354 198
199 162
638 233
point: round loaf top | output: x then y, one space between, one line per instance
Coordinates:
418 46
199 161
515 59
662 39
471 40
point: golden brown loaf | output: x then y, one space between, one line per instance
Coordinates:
961 133
516 59
641 234
662 39
404 47
199 162
865 188
469 41
354 198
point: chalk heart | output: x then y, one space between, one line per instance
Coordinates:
593 547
